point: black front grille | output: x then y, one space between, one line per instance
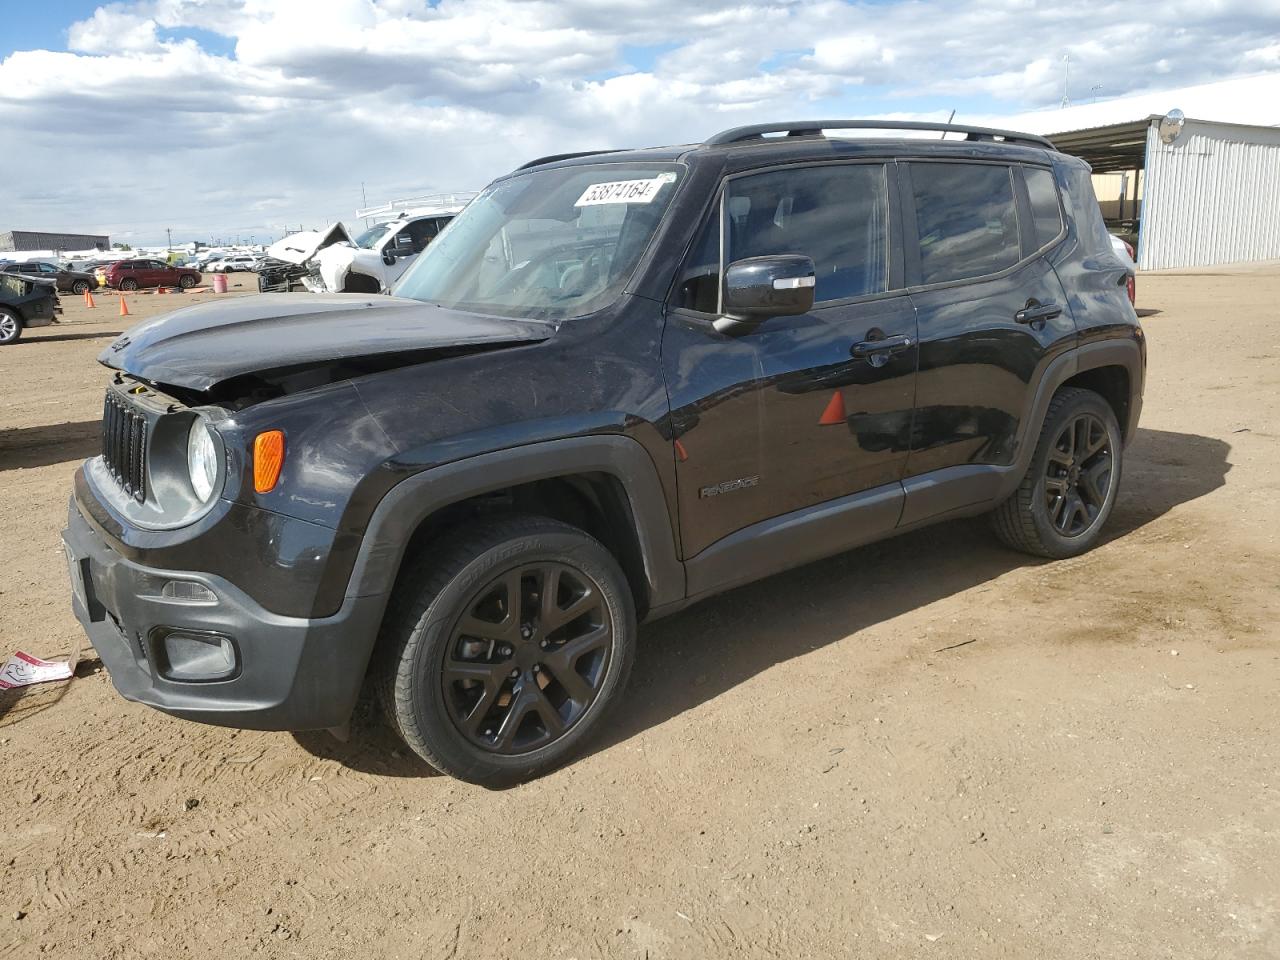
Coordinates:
124 445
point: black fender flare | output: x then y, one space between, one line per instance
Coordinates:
1113 352
415 498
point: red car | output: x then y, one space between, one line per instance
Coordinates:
132 274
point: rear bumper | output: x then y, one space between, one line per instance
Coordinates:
290 673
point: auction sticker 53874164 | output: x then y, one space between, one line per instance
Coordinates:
623 191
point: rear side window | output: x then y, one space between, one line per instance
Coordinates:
837 215
966 220
1046 215
1085 212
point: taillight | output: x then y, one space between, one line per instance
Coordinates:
1129 250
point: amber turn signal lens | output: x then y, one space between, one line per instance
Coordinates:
268 459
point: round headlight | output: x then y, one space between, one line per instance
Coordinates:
202 459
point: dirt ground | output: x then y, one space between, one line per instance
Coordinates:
931 747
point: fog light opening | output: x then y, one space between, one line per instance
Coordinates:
194 656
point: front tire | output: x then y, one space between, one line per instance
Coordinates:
10 327
1070 488
505 647
80 288
186 281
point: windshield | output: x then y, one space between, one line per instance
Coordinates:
549 245
370 237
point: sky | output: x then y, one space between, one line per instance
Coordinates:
251 118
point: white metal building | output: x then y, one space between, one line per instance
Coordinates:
1209 195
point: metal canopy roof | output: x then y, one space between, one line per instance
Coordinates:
1121 146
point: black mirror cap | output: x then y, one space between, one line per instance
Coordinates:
388 257
777 286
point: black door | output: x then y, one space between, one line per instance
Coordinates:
991 313
786 416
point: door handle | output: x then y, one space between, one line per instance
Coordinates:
1035 312
871 348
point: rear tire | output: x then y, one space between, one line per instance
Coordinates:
497 691
1070 487
129 284
10 327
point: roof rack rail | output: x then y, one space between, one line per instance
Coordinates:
552 158
809 128
445 201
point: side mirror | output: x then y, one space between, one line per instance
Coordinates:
761 287
389 256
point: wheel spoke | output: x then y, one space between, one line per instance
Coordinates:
471 722
516 712
551 719
558 616
490 674
1095 445
1094 482
548 611
574 684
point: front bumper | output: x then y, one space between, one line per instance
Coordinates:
290 673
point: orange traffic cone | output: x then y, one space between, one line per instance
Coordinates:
124 306
88 300
834 412
162 290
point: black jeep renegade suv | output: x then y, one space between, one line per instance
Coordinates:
617 383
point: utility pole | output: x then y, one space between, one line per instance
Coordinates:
1066 80
168 232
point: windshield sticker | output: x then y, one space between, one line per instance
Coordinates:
623 191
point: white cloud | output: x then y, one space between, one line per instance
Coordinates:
137 126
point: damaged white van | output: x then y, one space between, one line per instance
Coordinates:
375 258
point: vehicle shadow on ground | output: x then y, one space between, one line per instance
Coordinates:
60 337
692 657
26 447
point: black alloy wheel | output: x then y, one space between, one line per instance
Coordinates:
1069 490
527 659
1077 478
80 288
505 646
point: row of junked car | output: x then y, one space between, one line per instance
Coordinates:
334 261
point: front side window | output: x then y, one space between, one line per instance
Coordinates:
837 215
549 244
966 220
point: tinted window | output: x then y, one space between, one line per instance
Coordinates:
1046 215
837 215
1085 212
418 235
699 287
966 218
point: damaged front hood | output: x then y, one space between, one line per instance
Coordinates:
298 248
200 346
